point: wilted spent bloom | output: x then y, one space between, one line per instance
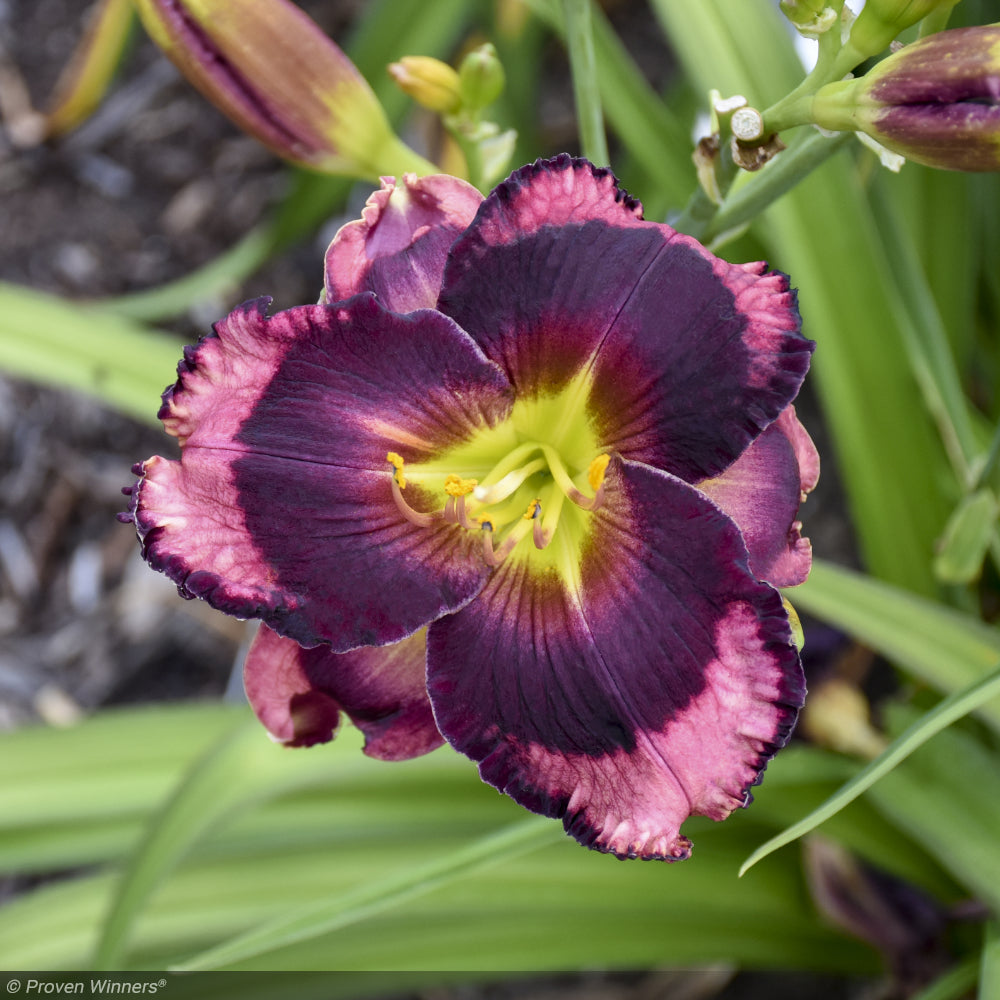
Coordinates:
525 481
269 67
936 102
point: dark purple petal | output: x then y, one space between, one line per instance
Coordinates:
947 67
281 507
655 687
298 694
761 491
398 248
689 357
962 136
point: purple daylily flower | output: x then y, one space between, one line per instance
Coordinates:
521 491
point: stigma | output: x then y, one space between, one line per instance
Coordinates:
523 494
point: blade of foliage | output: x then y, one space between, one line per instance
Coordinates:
953 984
954 707
966 537
244 767
123 364
734 46
363 819
499 919
932 642
850 307
376 897
586 87
653 135
947 797
74 774
945 222
926 339
802 778
989 974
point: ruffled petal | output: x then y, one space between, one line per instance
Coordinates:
398 248
654 686
761 491
298 694
687 358
282 506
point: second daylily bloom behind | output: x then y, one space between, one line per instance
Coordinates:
525 482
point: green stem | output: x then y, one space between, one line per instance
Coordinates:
790 109
586 94
749 200
780 176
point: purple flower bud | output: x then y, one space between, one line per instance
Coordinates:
270 68
936 102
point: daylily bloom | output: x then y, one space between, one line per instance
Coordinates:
936 102
525 501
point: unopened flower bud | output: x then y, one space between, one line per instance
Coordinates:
270 68
430 82
882 20
812 18
936 102
482 78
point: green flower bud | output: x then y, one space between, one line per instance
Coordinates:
482 78
880 22
430 82
936 102
268 67
812 18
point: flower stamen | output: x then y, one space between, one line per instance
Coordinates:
494 557
503 482
539 536
419 518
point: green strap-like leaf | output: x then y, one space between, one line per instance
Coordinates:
950 710
242 769
368 900
122 363
934 643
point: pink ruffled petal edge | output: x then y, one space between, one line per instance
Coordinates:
657 690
